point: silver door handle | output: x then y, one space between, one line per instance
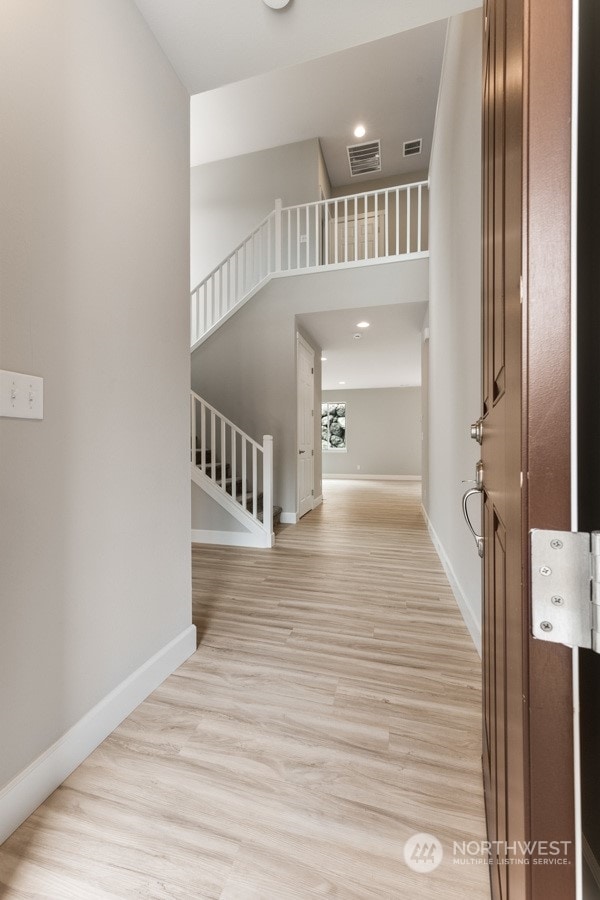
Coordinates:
465 500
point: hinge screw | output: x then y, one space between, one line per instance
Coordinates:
558 601
545 571
556 544
546 626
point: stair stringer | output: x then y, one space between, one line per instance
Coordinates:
256 536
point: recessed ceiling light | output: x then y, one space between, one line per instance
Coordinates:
360 131
357 336
362 324
341 382
323 359
276 4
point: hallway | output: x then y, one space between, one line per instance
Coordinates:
331 711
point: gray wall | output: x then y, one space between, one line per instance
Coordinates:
94 237
231 197
454 308
383 431
247 368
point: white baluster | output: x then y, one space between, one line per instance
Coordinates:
233 462
213 445
307 232
326 232
223 455
254 482
386 218
408 220
419 201
244 471
289 240
397 222
366 224
317 236
356 228
278 205
203 437
376 225
336 238
297 237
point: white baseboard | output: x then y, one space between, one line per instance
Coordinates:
463 604
288 518
21 796
317 501
230 538
373 477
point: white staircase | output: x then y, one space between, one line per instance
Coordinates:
365 229
358 230
235 470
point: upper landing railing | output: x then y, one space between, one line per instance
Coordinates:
358 230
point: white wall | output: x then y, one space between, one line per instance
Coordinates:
94 244
231 197
454 308
383 432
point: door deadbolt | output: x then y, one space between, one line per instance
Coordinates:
477 431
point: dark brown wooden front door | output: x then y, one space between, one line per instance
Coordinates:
527 722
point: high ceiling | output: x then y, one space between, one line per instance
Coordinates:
389 85
215 43
387 354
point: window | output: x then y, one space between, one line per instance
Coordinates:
333 426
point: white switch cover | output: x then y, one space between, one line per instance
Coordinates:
21 396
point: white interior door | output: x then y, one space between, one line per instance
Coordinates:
306 431
360 238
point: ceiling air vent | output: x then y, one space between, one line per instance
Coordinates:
364 158
411 148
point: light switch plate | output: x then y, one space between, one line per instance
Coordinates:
21 396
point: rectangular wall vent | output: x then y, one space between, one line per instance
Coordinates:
411 148
364 158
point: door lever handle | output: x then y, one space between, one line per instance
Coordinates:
478 537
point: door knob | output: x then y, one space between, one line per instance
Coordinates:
477 431
301 451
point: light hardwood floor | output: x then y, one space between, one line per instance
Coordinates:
331 711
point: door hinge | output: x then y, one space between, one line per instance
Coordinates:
312 371
312 493
565 587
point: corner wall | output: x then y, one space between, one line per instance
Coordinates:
95 588
231 197
454 308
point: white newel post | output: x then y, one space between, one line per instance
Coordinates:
193 429
268 486
278 207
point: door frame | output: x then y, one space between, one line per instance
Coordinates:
302 342
548 446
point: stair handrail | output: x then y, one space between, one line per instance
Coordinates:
234 251
217 434
310 237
